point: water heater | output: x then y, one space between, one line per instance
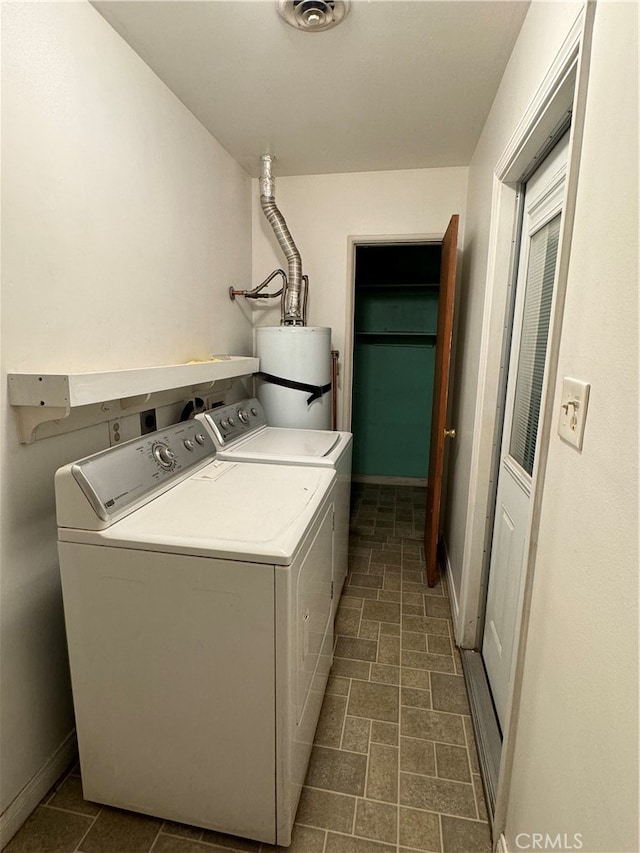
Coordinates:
290 356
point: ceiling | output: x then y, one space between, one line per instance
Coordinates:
399 84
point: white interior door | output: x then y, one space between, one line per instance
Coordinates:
544 199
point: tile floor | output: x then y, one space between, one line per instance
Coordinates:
394 768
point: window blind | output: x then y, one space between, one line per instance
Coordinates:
533 343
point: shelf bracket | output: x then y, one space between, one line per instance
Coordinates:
30 418
203 387
130 402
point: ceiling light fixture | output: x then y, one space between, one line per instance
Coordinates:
313 16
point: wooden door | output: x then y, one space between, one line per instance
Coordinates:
440 395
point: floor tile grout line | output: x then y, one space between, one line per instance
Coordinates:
440 839
89 828
434 812
326 840
158 833
434 742
67 811
475 797
168 832
370 837
364 838
436 710
346 714
355 805
469 768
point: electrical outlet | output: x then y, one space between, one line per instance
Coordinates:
573 411
122 429
115 436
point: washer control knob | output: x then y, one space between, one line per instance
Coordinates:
254 411
224 423
244 417
200 438
164 455
232 422
188 443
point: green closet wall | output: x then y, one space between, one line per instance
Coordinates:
396 314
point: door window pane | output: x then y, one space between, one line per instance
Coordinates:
533 343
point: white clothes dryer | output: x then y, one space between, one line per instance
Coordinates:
240 432
197 600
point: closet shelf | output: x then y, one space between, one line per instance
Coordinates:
371 334
45 397
397 285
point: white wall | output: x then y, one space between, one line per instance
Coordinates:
542 34
576 755
322 211
123 225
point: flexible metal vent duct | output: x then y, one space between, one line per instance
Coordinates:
292 314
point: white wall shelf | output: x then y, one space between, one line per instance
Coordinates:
42 397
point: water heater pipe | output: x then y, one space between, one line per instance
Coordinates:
292 312
335 355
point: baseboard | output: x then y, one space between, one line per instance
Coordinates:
455 610
376 479
19 810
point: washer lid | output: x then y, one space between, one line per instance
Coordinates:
314 444
257 513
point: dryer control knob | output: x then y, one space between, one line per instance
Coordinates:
254 411
232 422
188 443
164 455
244 417
224 423
200 438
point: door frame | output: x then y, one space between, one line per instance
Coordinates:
563 90
353 241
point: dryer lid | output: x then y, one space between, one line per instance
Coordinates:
283 442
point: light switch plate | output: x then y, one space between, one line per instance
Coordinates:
573 410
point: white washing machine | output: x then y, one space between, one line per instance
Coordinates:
197 599
240 433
